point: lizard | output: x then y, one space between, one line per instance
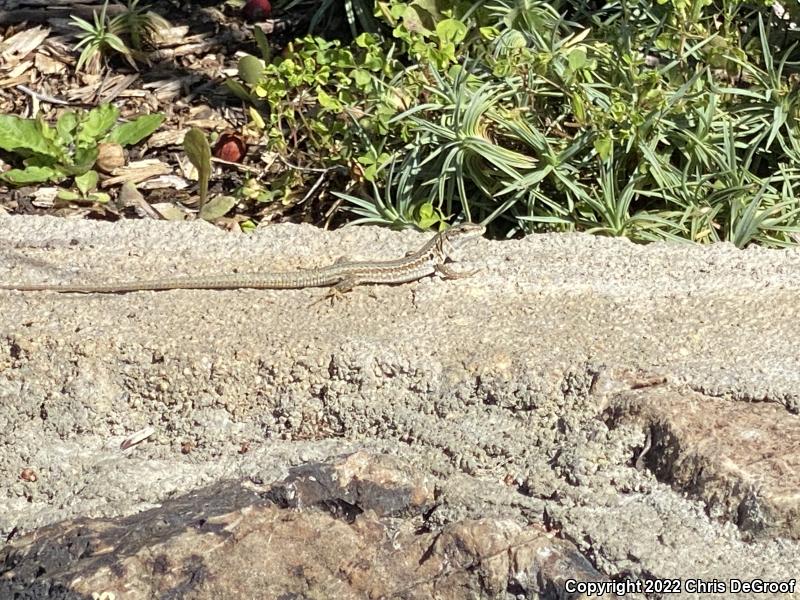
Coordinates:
341 276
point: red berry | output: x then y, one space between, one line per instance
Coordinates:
255 10
230 147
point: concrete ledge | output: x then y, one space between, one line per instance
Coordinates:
509 390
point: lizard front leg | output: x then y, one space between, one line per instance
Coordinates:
337 291
448 273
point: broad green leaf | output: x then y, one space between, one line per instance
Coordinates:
68 195
428 216
362 78
97 123
603 146
135 131
32 175
24 136
250 69
217 207
65 127
198 151
100 197
327 101
247 226
370 172
39 160
86 182
71 196
169 211
577 59
365 40
413 20
451 30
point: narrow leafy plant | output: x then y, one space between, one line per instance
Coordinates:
98 40
138 23
198 151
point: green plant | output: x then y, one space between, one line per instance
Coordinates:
99 39
138 23
198 151
313 85
429 31
70 148
398 205
326 104
652 120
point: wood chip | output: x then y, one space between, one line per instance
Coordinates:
169 182
45 197
167 138
170 212
16 72
137 438
48 66
19 45
137 171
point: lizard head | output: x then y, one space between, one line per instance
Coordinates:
465 231
456 236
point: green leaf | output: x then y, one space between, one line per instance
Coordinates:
32 175
86 182
363 78
24 136
250 69
100 197
489 33
327 101
88 53
198 151
256 118
82 161
604 146
217 208
238 90
116 43
65 127
97 123
86 26
365 40
262 43
68 195
428 216
451 30
135 131
577 59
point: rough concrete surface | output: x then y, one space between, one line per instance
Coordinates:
582 408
